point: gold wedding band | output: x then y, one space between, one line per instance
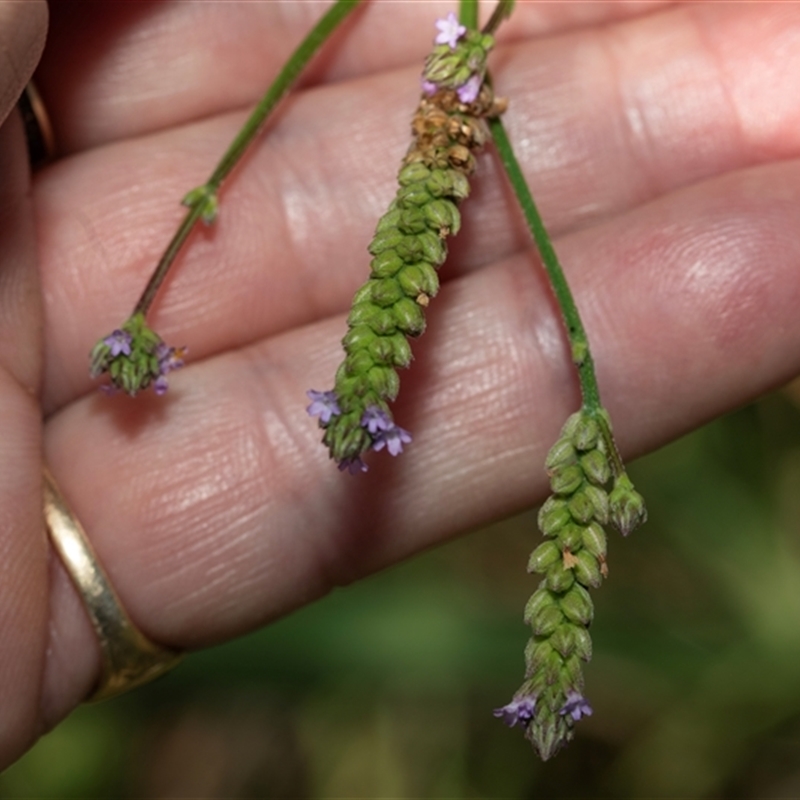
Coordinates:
38 128
130 659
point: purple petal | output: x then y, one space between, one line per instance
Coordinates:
375 419
353 465
429 87
392 439
520 710
160 385
576 706
119 342
450 30
324 405
468 91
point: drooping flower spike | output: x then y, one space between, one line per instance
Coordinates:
135 357
409 246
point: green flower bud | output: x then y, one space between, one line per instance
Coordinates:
389 220
559 579
594 540
552 668
543 556
384 381
443 216
380 320
540 599
382 351
571 537
358 362
448 183
581 506
401 356
387 239
417 279
415 194
412 220
410 248
599 500
563 640
443 65
583 644
577 606
562 454
571 674
359 338
566 480
386 264
595 465
537 653
546 620
384 292
433 248
587 569
627 506
553 516
585 433
409 316
413 173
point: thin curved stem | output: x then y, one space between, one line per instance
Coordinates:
202 202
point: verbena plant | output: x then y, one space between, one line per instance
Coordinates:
457 115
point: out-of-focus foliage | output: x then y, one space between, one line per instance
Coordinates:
386 688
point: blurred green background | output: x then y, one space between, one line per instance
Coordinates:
386 689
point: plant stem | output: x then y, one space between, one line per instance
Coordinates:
468 14
199 208
579 343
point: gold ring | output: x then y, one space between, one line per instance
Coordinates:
38 128
130 659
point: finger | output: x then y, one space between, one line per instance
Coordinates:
23 547
22 32
221 510
289 246
116 70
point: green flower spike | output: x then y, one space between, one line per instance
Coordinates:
572 558
135 357
408 248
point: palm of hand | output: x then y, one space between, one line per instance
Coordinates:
659 149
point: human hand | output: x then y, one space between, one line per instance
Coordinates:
658 148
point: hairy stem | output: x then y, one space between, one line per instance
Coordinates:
204 200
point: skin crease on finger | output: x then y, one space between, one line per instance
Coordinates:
103 72
266 265
219 509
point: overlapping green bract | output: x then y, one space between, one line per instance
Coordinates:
135 357
572 559
408 248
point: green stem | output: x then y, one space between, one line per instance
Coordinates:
206 197
579 343
501 11
468 14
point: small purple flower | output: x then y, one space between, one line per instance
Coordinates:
119 342
160 385
429 87
392 439
170 358
375 419
323 404
577 706
518 710
353 465
468 91
450 30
